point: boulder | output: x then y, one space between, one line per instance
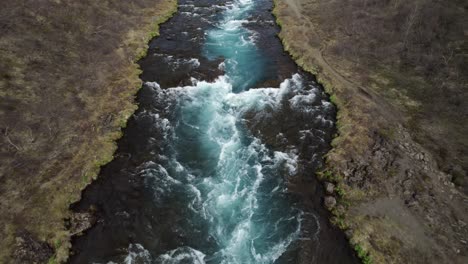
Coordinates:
329 187
329 202
81 221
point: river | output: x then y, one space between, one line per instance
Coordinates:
217 164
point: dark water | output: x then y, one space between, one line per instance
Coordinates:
213 167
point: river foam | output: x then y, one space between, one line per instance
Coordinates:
211 163
229 178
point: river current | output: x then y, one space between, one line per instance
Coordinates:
217 165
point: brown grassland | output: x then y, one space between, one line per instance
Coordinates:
68 76
397 71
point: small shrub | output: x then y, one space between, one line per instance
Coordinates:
362 254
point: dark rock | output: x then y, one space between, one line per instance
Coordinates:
30 250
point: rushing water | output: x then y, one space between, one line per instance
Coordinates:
231 40
214 170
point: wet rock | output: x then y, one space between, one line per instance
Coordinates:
329 202
30 250
82 221
329 187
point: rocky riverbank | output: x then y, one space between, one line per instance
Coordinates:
69 76
399 196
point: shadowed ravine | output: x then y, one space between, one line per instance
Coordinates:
212 168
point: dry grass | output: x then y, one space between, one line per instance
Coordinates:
68 79
412 53
397 72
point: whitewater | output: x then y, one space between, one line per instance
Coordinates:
226 178
217 165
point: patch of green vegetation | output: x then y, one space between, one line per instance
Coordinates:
340 222
333 99
340 190
328 175
52 260
275 13
363 254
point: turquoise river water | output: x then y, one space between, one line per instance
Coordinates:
216 164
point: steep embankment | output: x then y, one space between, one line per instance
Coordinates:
68 79
397 72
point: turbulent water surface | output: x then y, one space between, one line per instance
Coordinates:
213 168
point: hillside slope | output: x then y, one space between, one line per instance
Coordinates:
67 85
397 71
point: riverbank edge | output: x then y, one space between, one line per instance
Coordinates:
150 31
101 150
389 190
328 175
